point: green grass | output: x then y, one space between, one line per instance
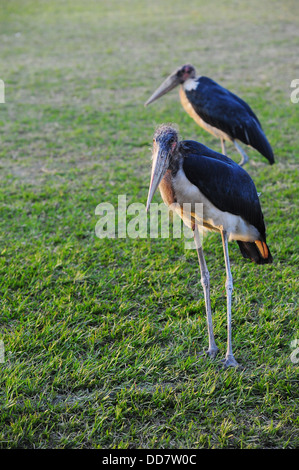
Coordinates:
104 338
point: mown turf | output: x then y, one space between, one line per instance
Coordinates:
104 338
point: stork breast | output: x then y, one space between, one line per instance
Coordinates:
191 111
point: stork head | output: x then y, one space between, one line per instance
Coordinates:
165 142
178 77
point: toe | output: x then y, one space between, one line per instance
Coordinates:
212 352
230 361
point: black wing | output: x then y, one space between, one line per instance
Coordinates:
224 110
227 185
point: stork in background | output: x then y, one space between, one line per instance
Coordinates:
189 172
217 110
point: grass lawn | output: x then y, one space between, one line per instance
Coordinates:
104 338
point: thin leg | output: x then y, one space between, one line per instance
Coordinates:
229 358
244 156
205 282
223 146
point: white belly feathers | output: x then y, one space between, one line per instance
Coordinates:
190 110
213 219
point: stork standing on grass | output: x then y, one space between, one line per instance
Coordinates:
189 172
217 110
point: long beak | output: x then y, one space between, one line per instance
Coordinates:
160 165
171 82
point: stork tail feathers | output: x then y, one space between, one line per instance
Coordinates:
257 251
257 139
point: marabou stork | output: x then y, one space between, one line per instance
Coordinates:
189 172
217 110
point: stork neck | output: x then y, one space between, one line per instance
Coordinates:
190 84
176 161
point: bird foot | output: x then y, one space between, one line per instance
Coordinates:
230 361
212 352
